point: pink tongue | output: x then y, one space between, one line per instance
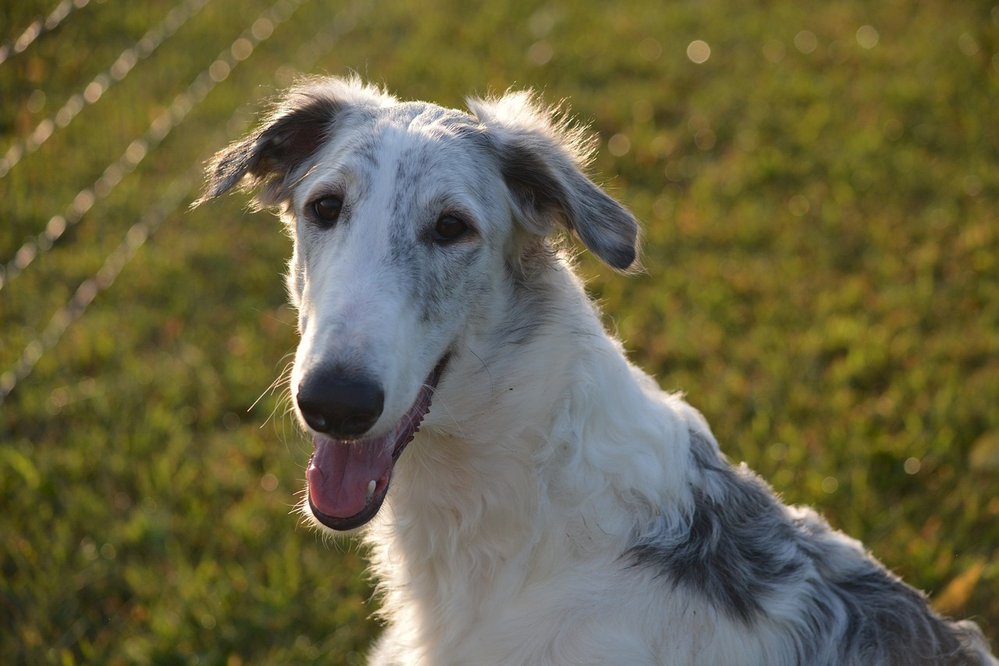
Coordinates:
340 473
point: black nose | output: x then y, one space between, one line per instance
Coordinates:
339 404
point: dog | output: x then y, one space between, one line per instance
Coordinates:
527 494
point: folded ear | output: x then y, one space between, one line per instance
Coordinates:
302 120
542 161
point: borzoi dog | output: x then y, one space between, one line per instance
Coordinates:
528 495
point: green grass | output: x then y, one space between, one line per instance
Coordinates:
822 280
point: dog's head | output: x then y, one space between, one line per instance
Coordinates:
408 219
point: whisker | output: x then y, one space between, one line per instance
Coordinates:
283 376
282 381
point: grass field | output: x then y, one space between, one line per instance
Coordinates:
819 185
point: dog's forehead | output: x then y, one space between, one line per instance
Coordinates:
421 133
425 119
410 155
405 153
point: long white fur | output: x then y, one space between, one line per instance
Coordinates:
502 540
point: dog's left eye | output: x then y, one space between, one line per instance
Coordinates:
327 210
449 228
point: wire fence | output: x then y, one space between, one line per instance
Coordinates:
39 27
139 148
175 194
95 89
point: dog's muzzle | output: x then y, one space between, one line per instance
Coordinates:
348 476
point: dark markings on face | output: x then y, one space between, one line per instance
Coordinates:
434 272
533 307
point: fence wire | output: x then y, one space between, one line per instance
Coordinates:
178 192
39 27
95 89
161 126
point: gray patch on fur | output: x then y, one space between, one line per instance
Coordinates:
742 550
410 239
732 550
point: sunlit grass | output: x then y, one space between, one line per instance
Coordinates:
819 189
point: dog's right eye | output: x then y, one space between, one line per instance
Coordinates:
327 210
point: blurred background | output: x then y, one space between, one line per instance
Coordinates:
819 187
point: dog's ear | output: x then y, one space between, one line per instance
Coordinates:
542 161
302 120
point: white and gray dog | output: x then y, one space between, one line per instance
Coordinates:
548 503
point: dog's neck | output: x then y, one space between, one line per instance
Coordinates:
518 468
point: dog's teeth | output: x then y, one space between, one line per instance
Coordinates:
371 490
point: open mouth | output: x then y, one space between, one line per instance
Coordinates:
349 479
